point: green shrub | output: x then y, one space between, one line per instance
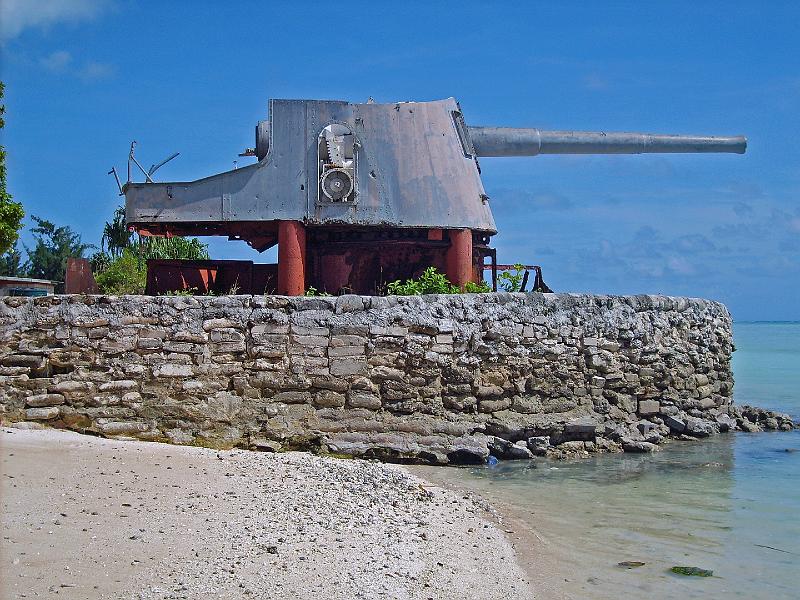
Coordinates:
430 282
477 288
192 291
126 274
312 291
512 281
433 282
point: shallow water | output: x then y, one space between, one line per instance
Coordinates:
730 504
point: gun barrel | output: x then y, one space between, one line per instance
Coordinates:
511 141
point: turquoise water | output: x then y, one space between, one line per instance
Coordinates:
730 504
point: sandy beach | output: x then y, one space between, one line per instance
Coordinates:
87 517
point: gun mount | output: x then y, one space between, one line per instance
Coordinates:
358 195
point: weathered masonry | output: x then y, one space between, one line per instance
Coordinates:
427 378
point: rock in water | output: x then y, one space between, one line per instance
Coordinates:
631 564
692 571
636 446
507 450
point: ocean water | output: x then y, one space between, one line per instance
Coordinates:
730 503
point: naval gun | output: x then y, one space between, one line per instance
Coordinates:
358 195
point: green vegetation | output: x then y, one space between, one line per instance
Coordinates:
11 263
116 237
430 282
312 291
54 245
173 248
477 288
433 282
11 213
121 268
192 291
127 274
511 281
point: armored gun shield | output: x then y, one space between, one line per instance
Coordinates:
358 195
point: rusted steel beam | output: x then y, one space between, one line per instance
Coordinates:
510 267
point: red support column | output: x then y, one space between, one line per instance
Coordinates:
459 257
291 258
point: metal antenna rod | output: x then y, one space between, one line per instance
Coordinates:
113 172
154 168
141 168
130 156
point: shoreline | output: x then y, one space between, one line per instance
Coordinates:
542 559
574 524
89 517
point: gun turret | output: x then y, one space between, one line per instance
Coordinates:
510 141
357 195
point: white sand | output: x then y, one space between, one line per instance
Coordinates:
84 517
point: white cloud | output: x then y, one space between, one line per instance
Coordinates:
96 70
62 62
680 265
18 15
56 61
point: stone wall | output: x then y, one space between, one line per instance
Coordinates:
438 378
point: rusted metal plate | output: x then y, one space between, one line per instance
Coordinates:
78 277
210 277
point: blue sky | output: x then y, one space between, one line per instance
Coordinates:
85 77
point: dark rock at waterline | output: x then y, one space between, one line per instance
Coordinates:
698 427
761 418
631 564
675 425
725 422
539 444
692 571
645 427
638 446
748 426
507 450
583 428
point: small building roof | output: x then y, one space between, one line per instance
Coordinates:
5 279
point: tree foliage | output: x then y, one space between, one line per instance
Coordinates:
116 236
121 267
54 245
127 272
174 248
11 213
11 263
